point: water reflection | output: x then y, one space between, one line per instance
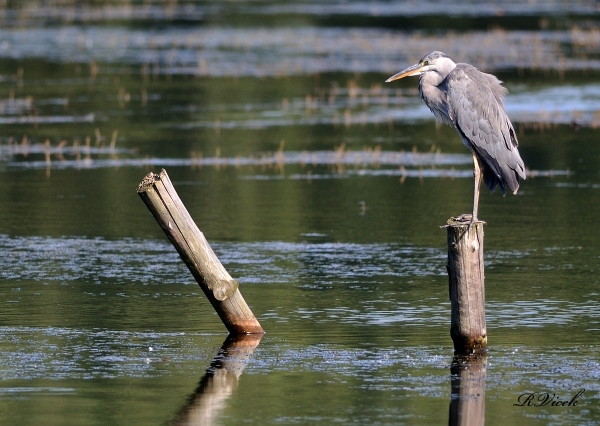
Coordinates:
467 401
218 383
372 286
313 165
229 51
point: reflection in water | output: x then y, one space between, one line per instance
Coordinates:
467 401
218 383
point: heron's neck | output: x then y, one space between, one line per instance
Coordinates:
433 96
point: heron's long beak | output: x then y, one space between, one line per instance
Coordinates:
416 69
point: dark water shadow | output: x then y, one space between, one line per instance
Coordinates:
467 400
205 404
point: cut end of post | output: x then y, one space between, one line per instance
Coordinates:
148 181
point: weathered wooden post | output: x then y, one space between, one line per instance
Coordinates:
466 284
222 291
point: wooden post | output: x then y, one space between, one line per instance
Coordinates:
222 291
467 293
467 383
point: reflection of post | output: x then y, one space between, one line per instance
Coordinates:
219 382
467 401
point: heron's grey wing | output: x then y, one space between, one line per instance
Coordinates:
484 125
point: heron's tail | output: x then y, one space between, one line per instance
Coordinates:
505 175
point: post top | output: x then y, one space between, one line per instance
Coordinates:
462 220
149 180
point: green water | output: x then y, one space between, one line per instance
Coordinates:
321 190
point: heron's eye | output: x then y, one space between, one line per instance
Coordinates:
425 63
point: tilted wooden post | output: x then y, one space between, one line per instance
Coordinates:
222 291
467 293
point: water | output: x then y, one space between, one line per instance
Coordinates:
321 189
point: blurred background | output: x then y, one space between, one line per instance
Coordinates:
321 189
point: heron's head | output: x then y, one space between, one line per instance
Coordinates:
435 61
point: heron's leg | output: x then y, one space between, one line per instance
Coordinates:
477 175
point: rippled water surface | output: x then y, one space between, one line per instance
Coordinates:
319 187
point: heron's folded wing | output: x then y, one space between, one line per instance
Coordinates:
483 123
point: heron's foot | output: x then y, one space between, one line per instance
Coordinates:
466 218
469 219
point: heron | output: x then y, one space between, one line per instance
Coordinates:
471 101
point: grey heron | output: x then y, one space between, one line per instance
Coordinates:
472 102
